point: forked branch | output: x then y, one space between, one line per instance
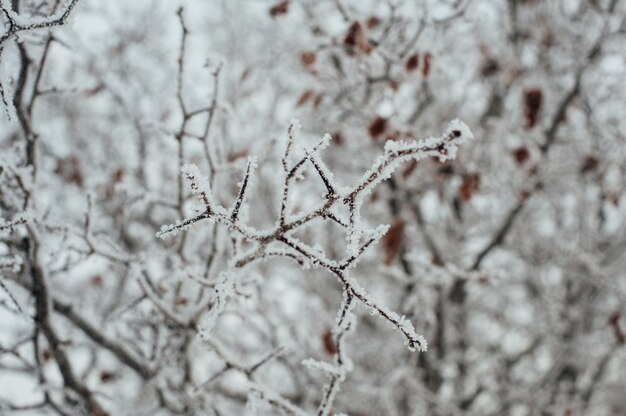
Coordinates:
280 241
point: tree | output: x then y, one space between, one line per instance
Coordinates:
173 241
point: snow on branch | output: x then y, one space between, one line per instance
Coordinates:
11 263
259 398
280 241
16 23
293 133
6 290
414 341
319 165
443 147
243 187
343 364
224 290
7 227
200 186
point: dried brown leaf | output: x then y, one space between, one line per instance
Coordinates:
589 164
426 65
470 184
356 40
279 8
489 67
329 344
409 169
412 62
521 155
106 376
533 100
307 58
393 241
377 127
304 98
372 22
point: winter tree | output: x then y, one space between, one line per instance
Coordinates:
303 207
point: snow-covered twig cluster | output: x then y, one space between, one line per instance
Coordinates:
15 24
280 241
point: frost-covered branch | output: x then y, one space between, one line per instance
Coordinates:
343 364
259 396
15 23
281 241
444 148
8 226
243 189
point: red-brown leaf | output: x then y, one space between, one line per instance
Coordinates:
412 62
533 100
329 343
619 334
523 195
377 127
317 101
232 156
93 91
356 40
70 170
409 169
106 376
350 39
118 175
279 8
426 65
589 164
446 169
614 318
469 185
307 58
337 138
393 241
306 96
490 67
521 155
97 281
372 22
